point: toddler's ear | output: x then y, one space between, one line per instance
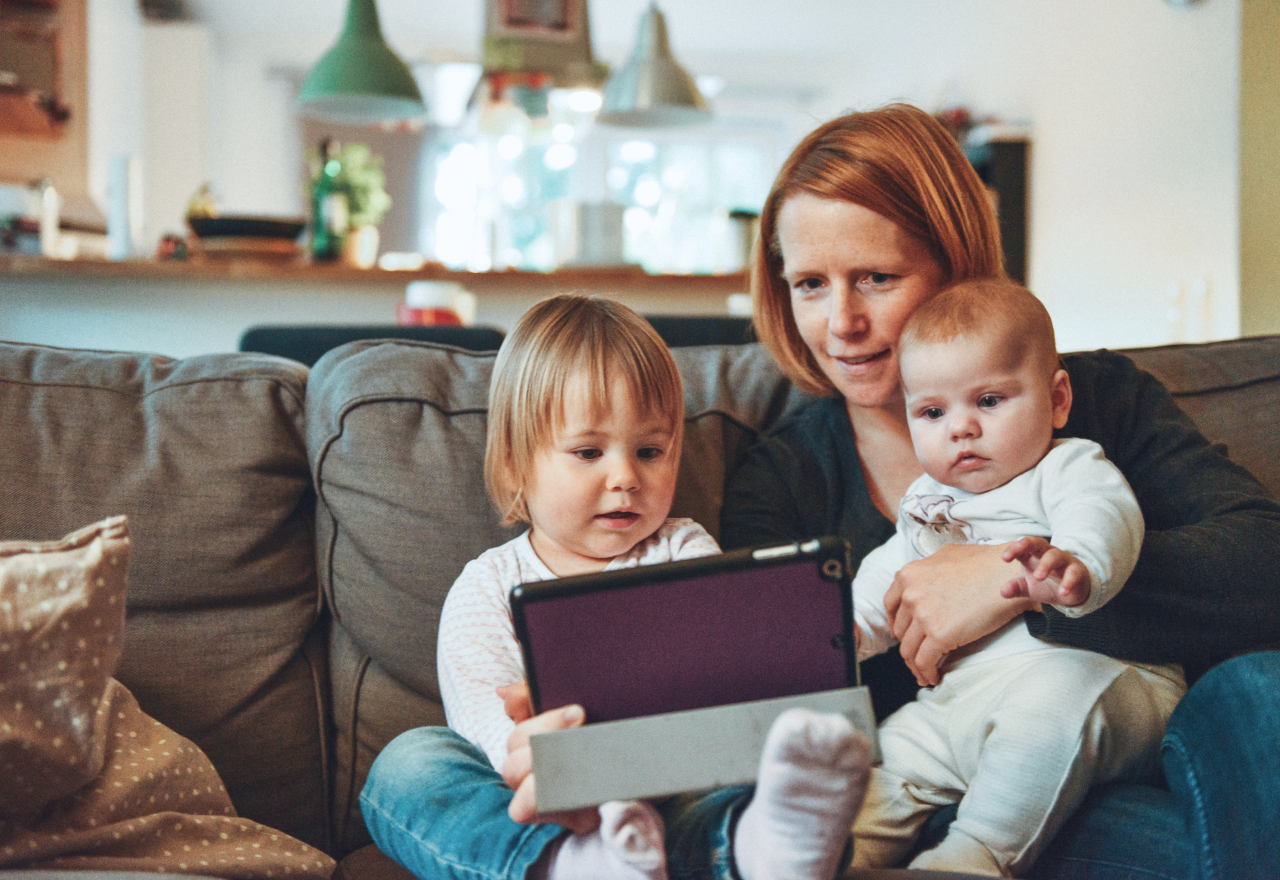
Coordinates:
1060 395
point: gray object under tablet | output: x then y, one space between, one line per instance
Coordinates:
681 751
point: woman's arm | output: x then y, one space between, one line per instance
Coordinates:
1202 589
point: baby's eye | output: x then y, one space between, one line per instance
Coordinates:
988 401
587 454
932 413
649 453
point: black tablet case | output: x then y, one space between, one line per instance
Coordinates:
747 625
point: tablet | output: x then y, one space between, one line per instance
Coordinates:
752 624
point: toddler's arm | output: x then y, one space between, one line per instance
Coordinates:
1049 574
478 652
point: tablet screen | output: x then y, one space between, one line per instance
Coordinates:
748 625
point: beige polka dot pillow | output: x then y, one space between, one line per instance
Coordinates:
87 779
61 628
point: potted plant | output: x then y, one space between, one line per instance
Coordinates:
353 174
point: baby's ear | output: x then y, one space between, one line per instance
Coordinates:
1060 395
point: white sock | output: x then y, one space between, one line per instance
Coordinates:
813 775
628 845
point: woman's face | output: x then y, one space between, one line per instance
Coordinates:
855 277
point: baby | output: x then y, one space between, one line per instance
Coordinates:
586 416
1018 729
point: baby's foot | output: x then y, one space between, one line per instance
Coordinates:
628 845
813 775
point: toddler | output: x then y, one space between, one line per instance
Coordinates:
586 415
1018 729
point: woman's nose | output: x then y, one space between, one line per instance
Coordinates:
847 318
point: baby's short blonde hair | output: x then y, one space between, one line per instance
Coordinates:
1001 311
559 339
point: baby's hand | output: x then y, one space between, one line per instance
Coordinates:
517 770
1050 575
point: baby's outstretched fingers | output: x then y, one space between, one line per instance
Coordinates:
1025 550
1076 585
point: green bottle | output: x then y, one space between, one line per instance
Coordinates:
330 216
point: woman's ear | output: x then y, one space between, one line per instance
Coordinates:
1060 396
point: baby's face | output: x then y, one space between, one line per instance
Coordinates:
977 420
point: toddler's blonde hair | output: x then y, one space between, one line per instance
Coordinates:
559 339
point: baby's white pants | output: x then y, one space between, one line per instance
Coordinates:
1017 741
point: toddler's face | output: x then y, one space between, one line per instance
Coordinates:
976 420
603 485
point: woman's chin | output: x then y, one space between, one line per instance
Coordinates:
871 395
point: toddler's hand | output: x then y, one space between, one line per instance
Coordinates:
1050 575
517 770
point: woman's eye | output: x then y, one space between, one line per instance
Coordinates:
933 413
878 278
987 401
807 285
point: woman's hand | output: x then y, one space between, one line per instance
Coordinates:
948 600
517 770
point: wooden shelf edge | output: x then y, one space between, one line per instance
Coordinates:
267 271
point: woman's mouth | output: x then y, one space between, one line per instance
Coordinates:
860 360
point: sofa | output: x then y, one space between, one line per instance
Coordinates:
294 532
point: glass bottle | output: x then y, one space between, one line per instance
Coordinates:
330 217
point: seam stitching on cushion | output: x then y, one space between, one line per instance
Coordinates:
352 715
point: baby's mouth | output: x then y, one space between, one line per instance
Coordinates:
968 460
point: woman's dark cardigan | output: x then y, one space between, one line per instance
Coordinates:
1207 583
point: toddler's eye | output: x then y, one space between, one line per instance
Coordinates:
987 401
649 453
587 454
932 413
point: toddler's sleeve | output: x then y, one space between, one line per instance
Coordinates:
477 652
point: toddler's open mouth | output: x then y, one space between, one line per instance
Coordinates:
618 518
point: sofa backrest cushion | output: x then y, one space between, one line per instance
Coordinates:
1231 389
206 456
396 435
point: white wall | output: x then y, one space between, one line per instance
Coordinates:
1133 107
116 117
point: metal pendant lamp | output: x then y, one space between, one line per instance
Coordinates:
360 80
652 89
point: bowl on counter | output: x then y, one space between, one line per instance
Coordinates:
272 238
247 227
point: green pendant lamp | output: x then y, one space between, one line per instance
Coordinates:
652 89
360 80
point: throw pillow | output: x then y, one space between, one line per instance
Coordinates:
61 629
88 781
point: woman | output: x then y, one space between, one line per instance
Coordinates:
871 215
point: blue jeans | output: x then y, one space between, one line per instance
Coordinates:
434 804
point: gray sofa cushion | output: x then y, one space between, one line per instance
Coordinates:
1229 388
396 435
206 456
